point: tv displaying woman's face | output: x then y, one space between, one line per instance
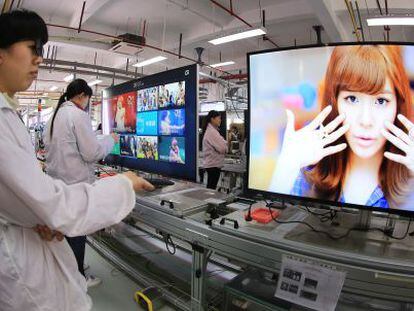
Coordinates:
334 115
366 114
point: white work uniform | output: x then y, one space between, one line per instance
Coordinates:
35 274
73 150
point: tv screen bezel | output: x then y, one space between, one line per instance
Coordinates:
302 200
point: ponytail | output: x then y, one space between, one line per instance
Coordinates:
62 99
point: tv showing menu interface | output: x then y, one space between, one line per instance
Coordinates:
156 120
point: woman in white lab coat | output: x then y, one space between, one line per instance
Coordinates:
36 274
72 149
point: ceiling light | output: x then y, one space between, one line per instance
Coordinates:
53 88
239 36
391 21
222 64
150 61
69 78
94 82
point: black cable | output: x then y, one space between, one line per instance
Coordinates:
343 235
168 241
248 217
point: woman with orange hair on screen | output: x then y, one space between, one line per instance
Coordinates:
351 152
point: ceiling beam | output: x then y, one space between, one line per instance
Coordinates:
91 7
327 16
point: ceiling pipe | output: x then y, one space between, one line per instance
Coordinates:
379 7
130 42
361 27
230 11
386 28
88 66
352 16
81 16
87 73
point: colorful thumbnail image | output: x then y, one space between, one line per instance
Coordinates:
128 145
171 122
147 123
147 99
116 149
172 95
172 149
123 113
147 147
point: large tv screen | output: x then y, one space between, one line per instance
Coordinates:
156 119
333 124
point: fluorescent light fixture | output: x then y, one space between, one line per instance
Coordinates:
150 61
94 82
69 78
239 36
222 64
53 88
391 21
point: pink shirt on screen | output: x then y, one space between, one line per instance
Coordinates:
214 148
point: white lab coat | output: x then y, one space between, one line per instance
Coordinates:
35 274
72 152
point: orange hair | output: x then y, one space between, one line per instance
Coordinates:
365 69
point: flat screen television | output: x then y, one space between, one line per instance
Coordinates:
156 119
331 125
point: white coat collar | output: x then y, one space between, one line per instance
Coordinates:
7 102
68 103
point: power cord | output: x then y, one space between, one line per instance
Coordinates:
346 233
169 242
323 217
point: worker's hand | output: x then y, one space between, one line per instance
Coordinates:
138 183
47 234
115 137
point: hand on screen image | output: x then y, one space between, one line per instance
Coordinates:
307 146
402 140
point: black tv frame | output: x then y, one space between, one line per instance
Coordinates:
281 197
157 166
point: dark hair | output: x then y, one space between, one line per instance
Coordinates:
21 25
76 87
211 115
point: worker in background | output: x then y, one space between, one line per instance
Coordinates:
72 149
38 270
214 149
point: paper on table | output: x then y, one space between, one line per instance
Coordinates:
310 283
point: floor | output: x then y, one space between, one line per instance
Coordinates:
116 291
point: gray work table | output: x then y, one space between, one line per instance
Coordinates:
376 266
